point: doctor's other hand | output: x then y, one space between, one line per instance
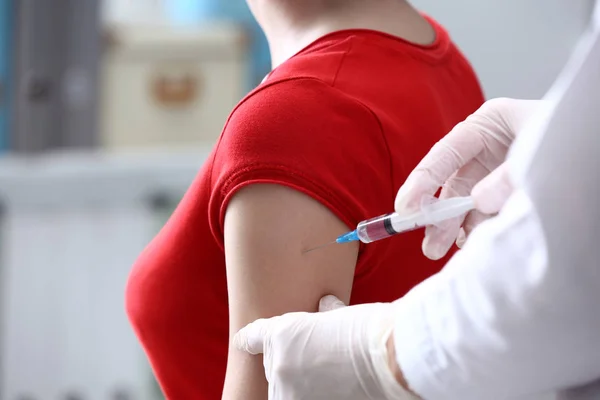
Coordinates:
338 353
466 162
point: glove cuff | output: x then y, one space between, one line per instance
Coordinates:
378 351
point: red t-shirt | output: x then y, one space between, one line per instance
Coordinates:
344 121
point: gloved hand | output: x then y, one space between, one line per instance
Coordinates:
337 354
458 164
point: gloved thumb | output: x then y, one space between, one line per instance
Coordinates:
330 303
252 337
491 193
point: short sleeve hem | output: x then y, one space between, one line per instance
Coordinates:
279 175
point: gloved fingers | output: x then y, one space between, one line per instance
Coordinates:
490 130
445 158
439 239
491 193
419 184
330 303
472 219
464 180
461 239
517 113
252 337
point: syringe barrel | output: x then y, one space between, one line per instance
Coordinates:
376 228
388 225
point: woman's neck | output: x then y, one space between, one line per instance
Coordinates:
288 34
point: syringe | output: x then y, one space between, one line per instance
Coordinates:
392 224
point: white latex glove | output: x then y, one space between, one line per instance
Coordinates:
339 354
457 164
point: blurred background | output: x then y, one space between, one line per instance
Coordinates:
107 110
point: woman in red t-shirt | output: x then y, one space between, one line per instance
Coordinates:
360 92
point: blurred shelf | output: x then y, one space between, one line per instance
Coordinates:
106 179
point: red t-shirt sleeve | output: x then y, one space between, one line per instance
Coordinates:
307 135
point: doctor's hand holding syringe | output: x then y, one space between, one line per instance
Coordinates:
468 161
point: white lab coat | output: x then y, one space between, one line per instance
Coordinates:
516 313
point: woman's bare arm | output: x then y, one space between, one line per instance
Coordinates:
267 229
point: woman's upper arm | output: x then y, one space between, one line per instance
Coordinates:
267 229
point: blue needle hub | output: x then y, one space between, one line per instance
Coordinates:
348 237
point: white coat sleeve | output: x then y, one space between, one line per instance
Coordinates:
496 323
517 311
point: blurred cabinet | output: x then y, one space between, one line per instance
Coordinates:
57 50
164 86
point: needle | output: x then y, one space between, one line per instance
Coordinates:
319 247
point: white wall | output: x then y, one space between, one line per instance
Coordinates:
65 324
72 225
517 46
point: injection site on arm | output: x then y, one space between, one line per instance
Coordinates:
266 229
